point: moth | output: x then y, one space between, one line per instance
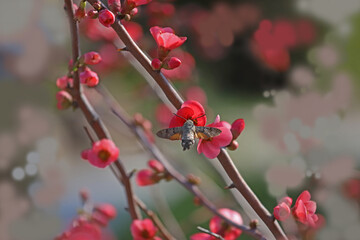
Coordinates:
188 133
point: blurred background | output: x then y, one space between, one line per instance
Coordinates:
289 68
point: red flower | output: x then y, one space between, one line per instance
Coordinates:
156 165
83 230
165 38
219 226
143 229
211 147
171 63
304 209
91 58
89 78
102 154
189 110
64 82
64 100
151 176
106 17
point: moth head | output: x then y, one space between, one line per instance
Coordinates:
186 144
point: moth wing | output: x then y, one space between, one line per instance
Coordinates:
170 133
206 132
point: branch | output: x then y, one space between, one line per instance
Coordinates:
157 154
223 157
90 114
209 232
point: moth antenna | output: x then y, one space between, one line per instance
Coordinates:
200 116
179 116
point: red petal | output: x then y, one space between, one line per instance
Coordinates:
184 112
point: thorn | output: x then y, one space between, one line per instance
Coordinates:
131 174
122 49
230 186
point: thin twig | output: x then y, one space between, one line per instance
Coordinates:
210 233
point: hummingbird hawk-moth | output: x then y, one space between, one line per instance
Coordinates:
188 133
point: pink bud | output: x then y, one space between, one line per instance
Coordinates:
107 210
237 127
133 12
89 78
287 200
64 100
114 6
80 14
92 58
145 177
233 145
156 166
106 17
63 82
93 14
84 194
172 63
143 229
85 153
156 64
281 211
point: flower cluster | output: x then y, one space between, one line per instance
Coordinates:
219 226
143 230
210 147
102 153
166 40
89 223
303 210
151 175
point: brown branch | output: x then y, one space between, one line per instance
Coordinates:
157 154
176 100
90 114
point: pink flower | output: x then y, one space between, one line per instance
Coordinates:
156 166
304 209
143 229
91 58
211 147
106 17
102 154
84 230
281 211
219 226
189 110
64 100
89 78
156 64
237 127
64 82
166 39
146 177
103 213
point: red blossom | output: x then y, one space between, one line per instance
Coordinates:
172 63
84 230
166 39
103 213
102 153
114 6
146 177
219 226
304 209
64 82
156 166
136 3
89 78
143 229
64 100
282 211
211 147
106 17
192 110
156 64
91 58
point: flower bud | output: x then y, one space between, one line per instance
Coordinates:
172 63
106 17
237 127
80 11
134 11
195 180
64 100
287 200
156 166
281 211
91 58
146 177
253 224
233 145
89 78
62 82
156 64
